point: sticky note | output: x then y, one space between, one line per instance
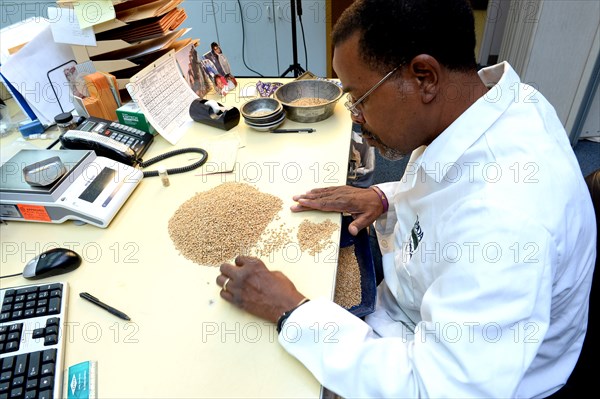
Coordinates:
93 12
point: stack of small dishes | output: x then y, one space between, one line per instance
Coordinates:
263 114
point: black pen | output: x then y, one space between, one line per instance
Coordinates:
104 306
293 130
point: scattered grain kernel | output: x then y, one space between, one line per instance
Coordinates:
315 237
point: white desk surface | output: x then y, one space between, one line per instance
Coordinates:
184 341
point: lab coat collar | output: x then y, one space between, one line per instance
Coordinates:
452 143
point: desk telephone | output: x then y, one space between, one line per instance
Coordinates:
108 139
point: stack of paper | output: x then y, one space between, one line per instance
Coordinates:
146 29
140 32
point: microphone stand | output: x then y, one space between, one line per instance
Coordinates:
295 67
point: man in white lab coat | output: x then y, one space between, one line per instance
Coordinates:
487 241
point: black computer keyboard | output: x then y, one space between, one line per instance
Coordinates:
31 340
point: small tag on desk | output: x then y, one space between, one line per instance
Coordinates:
80 381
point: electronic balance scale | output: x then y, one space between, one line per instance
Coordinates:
53 186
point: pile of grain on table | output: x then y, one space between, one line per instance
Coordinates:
215 226
234 219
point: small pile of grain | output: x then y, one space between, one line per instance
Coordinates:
215 226
308 101
347 281
315 237
273 240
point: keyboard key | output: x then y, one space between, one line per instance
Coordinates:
52 321
50 339
18 381
52 330
16 315
6 376
45 395
33 368
11 346
49 356
21 365
8 363
46 382
38 333
48 369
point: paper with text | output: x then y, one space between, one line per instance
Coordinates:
164 96
66 29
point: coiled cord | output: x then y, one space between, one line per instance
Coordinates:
170 154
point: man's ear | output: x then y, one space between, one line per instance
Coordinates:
426 70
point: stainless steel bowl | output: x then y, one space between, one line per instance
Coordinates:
299 96
261 108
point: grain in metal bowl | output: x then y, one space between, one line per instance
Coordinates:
309 100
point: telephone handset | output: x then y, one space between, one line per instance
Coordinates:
108 139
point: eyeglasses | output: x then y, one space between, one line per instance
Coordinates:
351 104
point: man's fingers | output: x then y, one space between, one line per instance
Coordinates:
221 279
228 296
299 208
359 223
233 271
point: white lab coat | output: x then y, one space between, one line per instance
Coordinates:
490 236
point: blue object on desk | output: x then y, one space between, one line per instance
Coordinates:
33 127
362 250
18 98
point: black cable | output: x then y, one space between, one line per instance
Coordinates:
53 144
212 3
276 45
170 154
244 42
304 41
11 275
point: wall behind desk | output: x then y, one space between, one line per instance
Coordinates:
262 45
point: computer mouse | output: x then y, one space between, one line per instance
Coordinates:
51 263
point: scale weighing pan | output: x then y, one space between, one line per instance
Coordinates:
44 172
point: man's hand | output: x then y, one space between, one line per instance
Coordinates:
251 286
362 203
